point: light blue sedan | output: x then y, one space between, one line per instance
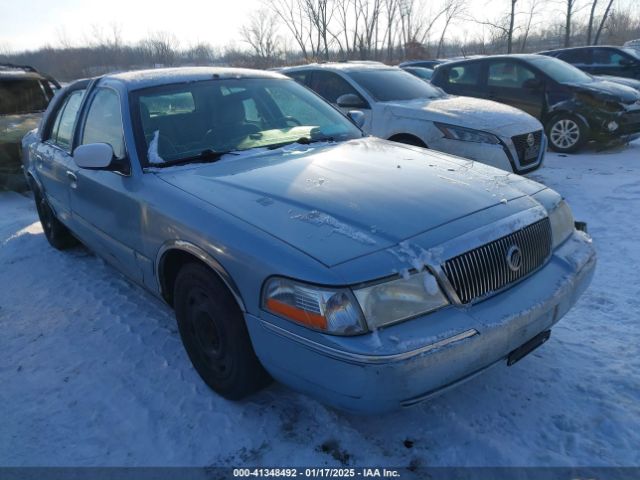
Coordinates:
369 274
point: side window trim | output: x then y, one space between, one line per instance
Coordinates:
86 109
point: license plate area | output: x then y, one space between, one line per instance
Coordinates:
528 347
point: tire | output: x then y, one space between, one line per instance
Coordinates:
57 234
215 335
566 133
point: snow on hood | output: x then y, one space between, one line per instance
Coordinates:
341 201
467 112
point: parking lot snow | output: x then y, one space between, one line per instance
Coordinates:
92 370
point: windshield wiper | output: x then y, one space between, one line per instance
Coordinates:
301 141
205 156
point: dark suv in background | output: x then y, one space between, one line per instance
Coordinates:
24 96
601 60
574 107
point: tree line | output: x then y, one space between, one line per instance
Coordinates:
284 32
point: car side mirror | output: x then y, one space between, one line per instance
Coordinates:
532 83
357 117
625 62
94 156
350 100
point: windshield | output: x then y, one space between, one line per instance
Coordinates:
560 71
394 84
634 53
19 96
420 72
201 119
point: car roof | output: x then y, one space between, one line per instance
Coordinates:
340 66
137 79
517 56
558 50
17 72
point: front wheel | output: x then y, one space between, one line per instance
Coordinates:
566 133
213 331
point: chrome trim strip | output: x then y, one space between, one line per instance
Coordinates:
360 358
202 255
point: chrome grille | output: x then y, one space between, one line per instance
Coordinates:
484 270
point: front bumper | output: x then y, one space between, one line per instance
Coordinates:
503 155
409 362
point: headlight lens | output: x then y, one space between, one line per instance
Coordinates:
401 299
332 311
562 224
466 134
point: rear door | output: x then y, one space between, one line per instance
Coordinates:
516 84
52 156
461 79
578 57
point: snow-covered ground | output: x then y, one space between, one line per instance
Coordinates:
92 371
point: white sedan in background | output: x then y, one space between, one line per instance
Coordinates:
398 106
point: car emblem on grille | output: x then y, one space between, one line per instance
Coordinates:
514 258
531 140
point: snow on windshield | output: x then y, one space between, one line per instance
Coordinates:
152 152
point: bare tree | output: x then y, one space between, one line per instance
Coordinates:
506 26
453 9
571 6
602 22
261 33
531 14
161 48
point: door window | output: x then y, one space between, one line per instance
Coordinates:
104 122
468 74
62 131
508 75
330 86
579 56
605 56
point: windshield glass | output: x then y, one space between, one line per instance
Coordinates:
420 72
560 71
634 53
393 84
18 96
183 121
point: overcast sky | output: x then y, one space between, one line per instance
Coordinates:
28 24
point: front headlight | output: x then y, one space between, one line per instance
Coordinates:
562 224
329 310
401 299
466 134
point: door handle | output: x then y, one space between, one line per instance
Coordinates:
74 179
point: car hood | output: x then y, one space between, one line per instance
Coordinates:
468 112
336 202
607 90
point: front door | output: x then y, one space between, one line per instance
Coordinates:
517 85
106 213
609 61
331 86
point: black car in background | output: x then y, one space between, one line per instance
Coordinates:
601 60
573 106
